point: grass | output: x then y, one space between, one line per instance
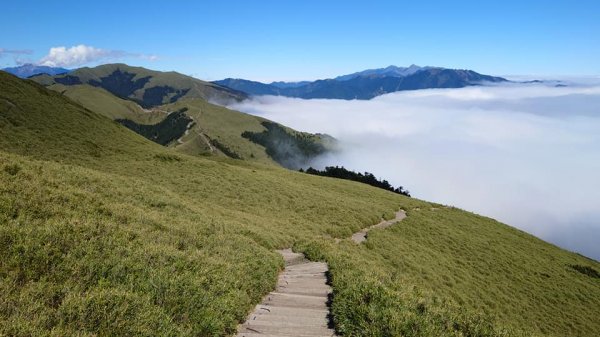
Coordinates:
94 253
104 103
104 233
442 262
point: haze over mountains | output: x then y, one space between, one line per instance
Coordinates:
366 84
28 70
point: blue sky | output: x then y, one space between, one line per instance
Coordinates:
294 40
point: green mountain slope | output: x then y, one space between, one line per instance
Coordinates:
104 103
214 129
147 87
104 233
226 131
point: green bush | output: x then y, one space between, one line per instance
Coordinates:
586 270
12 169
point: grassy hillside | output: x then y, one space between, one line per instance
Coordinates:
147 87
216 130
428 273
288 147
105 233
222 128
227 131
103 102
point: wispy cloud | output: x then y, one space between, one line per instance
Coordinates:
81 54
20 56
528 155
15 52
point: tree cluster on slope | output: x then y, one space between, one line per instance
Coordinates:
168 130
365 178
288 148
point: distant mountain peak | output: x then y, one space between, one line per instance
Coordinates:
28 69
393 67
282 85
368 83
391 70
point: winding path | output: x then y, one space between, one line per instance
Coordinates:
299 304
187 130
360 237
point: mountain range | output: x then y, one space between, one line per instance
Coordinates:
366 84
28 70
363 85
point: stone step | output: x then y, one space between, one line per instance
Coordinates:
310 292
317 275
288 311
309 265
254 334
295 301
296 285
297 268
288 321
289 330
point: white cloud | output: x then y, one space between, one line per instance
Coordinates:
74 56
527 155
79 55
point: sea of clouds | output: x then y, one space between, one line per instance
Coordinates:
525 154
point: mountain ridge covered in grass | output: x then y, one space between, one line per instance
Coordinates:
147 87
205 128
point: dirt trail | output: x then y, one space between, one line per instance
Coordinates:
297 307
187 130
207 141
361 236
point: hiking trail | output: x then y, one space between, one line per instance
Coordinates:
299 304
